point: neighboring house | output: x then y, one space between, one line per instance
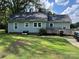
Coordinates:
32 21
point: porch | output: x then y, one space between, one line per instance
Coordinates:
57 31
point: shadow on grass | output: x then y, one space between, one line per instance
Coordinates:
54 40
13 45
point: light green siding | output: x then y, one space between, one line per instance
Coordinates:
59 25
32 29
22 28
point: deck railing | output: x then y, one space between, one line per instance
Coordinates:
57 31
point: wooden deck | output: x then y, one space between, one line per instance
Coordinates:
57 31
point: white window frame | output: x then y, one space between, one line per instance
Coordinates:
52 24
31 10
25 24
37 24
34 26
14 26
41 25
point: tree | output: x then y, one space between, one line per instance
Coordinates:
75 25
4 13
16 5
72 26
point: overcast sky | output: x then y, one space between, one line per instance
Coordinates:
70 7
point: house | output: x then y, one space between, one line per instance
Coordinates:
32 20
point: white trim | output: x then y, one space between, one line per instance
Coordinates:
37 24
50 26
41 24
25 24
33 25
14 26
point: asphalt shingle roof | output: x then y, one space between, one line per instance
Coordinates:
34 15
38 16
61 18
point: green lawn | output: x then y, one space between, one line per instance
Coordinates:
14 46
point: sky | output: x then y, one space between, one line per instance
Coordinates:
70 7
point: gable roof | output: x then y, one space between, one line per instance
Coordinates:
38 16
60 18
29 16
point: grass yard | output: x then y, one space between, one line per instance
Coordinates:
14 46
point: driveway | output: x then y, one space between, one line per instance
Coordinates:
73 42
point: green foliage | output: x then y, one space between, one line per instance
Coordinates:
16 5
42 31
50 13
2 26
61 33
75 25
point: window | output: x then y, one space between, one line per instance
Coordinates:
17 16
39 24
26 25
15 25
64 27
26 10
31 10
51 24
35 24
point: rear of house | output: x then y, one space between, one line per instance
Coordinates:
33 22
31 19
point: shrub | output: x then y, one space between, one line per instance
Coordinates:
42 31
61 33
2 26
26 32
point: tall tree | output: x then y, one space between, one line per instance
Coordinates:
16 5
